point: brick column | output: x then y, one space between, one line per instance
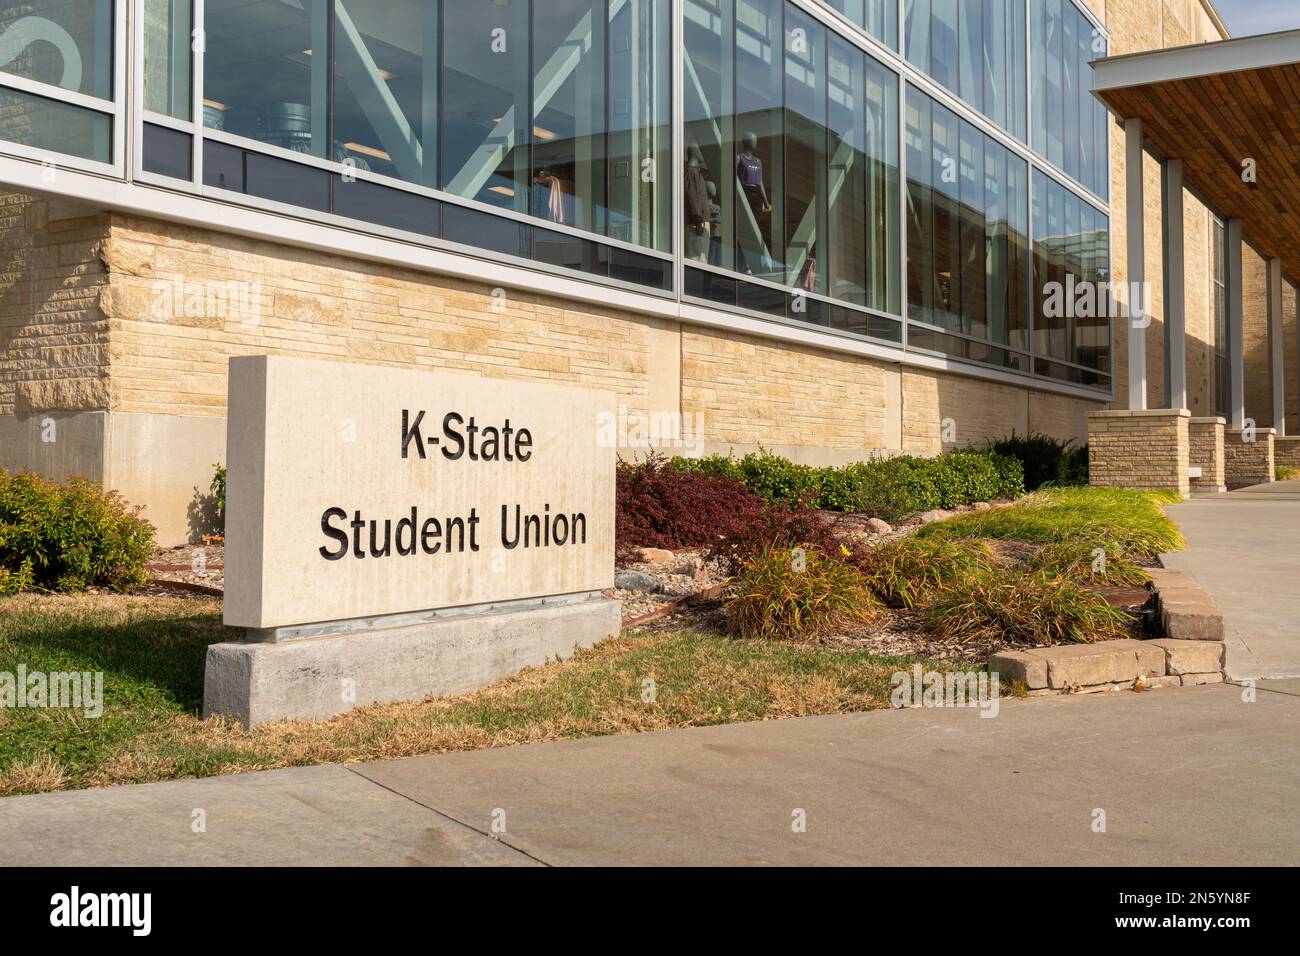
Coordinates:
1248 462
1286 451
1146 449
1205 445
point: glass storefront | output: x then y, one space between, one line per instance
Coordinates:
541 131
967 229
1070 125
791 166
1072 298
975 49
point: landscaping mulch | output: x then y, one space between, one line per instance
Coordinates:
201 565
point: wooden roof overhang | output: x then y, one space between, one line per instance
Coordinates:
1224 109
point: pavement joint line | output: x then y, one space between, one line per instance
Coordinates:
449 817
1267 690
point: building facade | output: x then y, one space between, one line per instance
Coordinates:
828 228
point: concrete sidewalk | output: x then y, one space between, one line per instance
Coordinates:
1244 548
1184 776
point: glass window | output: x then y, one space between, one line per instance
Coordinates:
167 152
386 87
976 50
758 165
805 161
805 135
639 141
266 75
1070 125
68 45
561 110
47 124
1072 301
168 28
967 240
485 101
708 188
878 17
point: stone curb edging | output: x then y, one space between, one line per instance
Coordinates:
1191 653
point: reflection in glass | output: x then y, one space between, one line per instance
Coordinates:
967 240
68 45
167 30
1070 125
266 75
1071 253
47 124
975 49
385 87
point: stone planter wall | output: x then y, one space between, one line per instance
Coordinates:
1248 462
1146 450
1205 447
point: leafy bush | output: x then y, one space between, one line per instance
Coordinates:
1012 607
69 536
1046 460
779 525
891 488
783 594
664 507
1077 561
910 572
769 476
218 489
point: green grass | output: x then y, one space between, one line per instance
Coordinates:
151 652
1127 523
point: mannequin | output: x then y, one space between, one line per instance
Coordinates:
749 170
695 190
715 226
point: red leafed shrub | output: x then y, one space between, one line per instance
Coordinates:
659 506
780 526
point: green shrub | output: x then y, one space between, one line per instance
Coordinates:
891 488
1077 561
787 594
1011 607
1046 460
69 536
910 572
218 489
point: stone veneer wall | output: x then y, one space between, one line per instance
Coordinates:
1248 462
1139 449
1286 451
1205 451
125 326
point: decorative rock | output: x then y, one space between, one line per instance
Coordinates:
1155 683
1190 617
982 506
654 556
877 526
1109 662
638 581
1028 668
692 567
930 517
1191 657
1192 680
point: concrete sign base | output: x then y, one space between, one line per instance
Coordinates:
315 678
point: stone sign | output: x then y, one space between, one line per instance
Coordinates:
355 491
394 533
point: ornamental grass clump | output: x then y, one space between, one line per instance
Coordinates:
1090 562
911 572
1011 607
796 593
1130 523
